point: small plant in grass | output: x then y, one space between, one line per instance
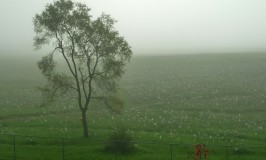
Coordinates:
120 141
200 152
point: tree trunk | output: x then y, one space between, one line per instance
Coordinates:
85 125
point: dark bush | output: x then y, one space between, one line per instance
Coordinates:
120 142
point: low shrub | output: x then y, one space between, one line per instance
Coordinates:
120 141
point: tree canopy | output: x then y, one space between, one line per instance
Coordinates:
94 53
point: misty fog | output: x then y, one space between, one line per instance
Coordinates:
156 26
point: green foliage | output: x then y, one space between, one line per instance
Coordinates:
47 65
120 141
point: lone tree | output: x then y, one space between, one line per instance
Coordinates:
93 51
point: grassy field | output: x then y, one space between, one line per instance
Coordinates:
216 99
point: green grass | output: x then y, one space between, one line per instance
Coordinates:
215 99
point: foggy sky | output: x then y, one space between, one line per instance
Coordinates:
155 26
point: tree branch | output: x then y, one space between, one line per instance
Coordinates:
75 69
83 83
60 45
